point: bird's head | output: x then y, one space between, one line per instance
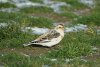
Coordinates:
60 28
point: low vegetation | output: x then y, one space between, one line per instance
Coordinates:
92 19
6 5
40 1
38 9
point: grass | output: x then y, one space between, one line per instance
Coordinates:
12 36
24 20
37 9
69 15
23 61
20 60
75 45
40 1
92 19
6 5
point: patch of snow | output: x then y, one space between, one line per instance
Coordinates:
36 30
3 1
25 3
76 28
53 59
55 5
98 31
3 24
90 3
84 60
2 65
68 60
94 48
13 49
2 54
9 10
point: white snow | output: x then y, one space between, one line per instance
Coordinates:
3 1
84 60
25 3
68 60
3 24
76 28
53 59
36 30
98 31
55 5
90 3
94 48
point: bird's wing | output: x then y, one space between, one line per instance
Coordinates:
47 37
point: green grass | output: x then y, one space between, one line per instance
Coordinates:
16 60
13 59
37 10
40 1
13 37
92 19
24 20
6 5
68 14
97 8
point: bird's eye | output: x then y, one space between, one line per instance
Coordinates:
59 27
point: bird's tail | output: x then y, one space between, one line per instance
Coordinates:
30 43
27 44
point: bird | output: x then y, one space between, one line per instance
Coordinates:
50 38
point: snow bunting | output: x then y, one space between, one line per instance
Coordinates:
50 38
